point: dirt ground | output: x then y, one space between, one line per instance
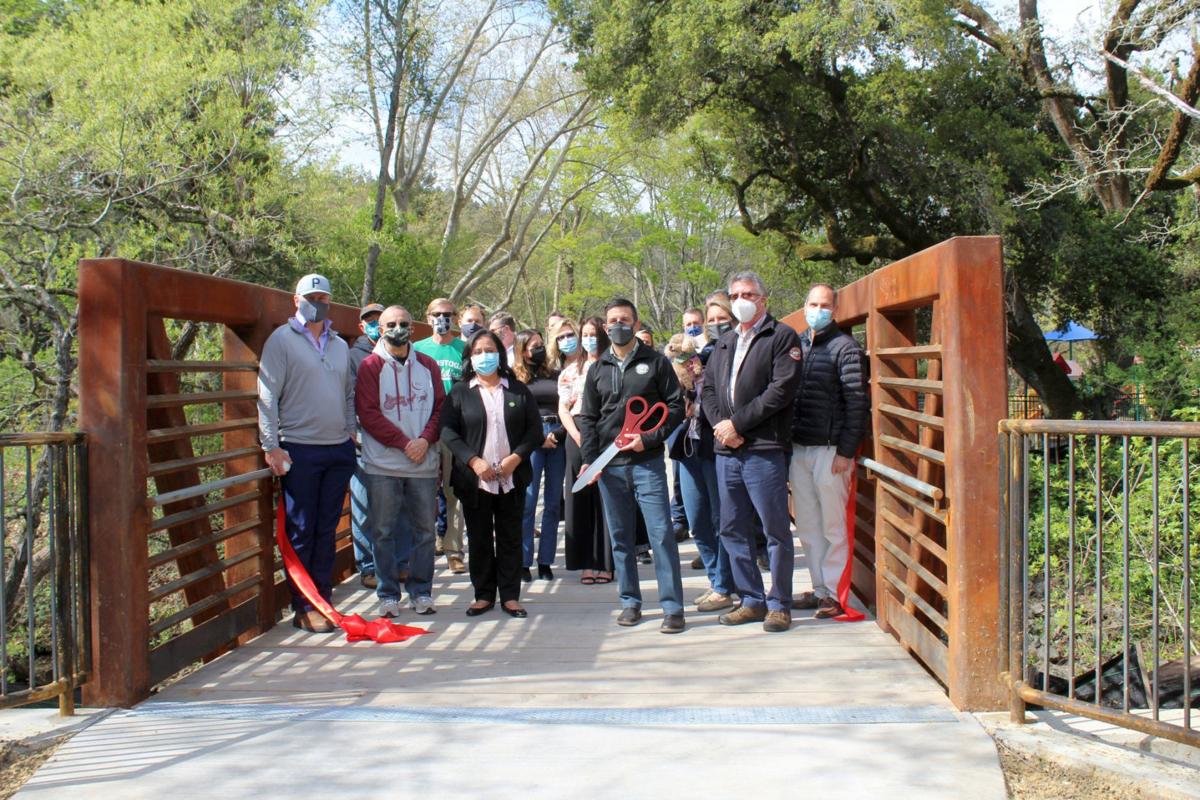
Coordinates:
20 759
1032 778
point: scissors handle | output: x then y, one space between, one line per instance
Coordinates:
637 412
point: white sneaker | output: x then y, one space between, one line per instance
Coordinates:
424 605
389 608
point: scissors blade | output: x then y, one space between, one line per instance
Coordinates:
594 470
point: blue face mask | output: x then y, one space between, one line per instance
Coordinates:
590 344
469 329
693 330
818 318
371 329
568 345
485 363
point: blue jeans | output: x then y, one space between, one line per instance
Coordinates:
624 488
401 519
314 491
552 464
364 555
679 516
698 485
749 483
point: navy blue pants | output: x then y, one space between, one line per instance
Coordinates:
314 493
756 483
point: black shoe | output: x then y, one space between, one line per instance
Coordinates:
629 617
473 611
645 558
526 575
697 563
681 532
517 612
672 623
545 573
763 563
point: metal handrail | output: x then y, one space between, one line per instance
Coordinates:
1124 687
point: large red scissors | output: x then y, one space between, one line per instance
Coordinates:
637 415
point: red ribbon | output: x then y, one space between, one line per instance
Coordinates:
849 614
357 629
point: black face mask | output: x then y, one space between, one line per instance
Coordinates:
620 334
469 329
397 337
718 329
537 356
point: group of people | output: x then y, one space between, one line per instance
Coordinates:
468 428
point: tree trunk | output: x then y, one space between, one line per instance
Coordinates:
1031 359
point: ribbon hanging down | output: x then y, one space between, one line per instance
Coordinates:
843 590
357 629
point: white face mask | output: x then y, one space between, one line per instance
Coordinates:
745 310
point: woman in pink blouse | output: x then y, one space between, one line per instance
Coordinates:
490 423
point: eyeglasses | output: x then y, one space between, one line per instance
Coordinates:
751 296
443 315
562 337
391 325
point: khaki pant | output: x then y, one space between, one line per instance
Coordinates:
819 501
452 542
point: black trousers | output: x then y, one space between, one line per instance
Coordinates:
494 544
587 544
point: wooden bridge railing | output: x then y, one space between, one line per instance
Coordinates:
927 534
183 561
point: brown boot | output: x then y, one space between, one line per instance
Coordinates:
829 608
715 601
743 614
777 621
313 622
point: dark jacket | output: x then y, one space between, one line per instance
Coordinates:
361 348
832 403
766 387
648 375
464 428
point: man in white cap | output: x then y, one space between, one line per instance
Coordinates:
306 424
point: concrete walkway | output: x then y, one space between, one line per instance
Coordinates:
564 703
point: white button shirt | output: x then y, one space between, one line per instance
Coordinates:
495 440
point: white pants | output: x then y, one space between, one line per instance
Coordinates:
819 501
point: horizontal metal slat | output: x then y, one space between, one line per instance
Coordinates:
905 480
216 568
201 606
917 637
915 502
918 384
187 431
914 598
168 365
937 423
928 453
934 582
200 542
917 351
197 398
193 514
180 464
910 530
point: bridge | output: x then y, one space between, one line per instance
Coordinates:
183 572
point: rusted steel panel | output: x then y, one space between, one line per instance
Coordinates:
112 412
974 373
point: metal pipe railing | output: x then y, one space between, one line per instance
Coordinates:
1097 551
45 649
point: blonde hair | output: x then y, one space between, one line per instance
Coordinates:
555 356
441 301
682 345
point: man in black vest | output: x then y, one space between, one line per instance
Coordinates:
830 423
749 387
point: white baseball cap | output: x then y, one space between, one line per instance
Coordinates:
313 283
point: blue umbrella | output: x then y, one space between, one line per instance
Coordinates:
1070 333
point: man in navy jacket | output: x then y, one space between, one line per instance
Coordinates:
749 387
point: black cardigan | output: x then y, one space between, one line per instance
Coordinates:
464 428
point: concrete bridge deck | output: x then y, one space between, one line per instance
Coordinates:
564 703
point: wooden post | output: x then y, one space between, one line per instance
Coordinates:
112 412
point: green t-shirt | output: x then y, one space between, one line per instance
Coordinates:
449 357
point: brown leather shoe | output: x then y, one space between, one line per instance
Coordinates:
368 581
743 614
829 608
313 622
805 601
777 621
456 564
